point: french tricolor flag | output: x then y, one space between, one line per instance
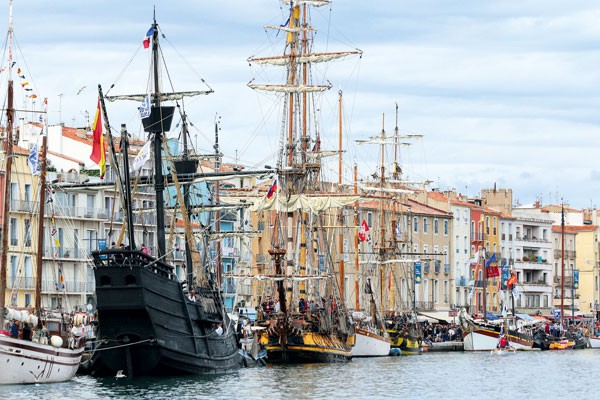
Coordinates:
148 37
272 189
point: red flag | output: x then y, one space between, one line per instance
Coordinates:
363 230
512 280
492 271
272 189
98 152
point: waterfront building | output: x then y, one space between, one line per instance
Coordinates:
84 215
533 260
564 291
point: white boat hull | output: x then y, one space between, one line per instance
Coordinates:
594 342
23 361
484 340
370 344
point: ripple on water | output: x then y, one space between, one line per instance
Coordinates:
530 375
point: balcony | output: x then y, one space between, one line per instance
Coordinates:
535 287
569 254
68 286
425 305
437 266
23 206
262 258
65 252
426 267
568 280
446 268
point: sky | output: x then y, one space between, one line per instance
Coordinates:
504 92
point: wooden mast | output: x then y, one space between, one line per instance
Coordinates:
356 222
40 238
8 151
562 259
341 210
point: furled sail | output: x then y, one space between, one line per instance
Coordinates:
303 59
162 96
300 202
290 88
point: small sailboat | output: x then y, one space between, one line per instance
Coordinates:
49 353
503 347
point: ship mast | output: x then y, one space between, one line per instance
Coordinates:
8 150
159 184
40 238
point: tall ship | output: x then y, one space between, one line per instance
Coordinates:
152 322
301 307
394 255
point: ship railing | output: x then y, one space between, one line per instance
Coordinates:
130 258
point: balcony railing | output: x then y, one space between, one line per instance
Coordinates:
68 286
425 305
65 252
262 258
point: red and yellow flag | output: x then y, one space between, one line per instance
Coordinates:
98 151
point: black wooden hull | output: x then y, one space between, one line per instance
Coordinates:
148 327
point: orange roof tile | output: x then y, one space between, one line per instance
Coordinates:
574 228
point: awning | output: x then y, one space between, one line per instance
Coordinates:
441 316
525 317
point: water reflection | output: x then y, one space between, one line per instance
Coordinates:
531 375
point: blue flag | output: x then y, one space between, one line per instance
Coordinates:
490 260
34 161
145 108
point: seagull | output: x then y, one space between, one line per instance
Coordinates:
120 374
81 90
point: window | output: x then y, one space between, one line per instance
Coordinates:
89 210
436 226
487 225
425 248
91 242
425 225
27 232
28 193
14 261
415 224
446 227
14 232
28 272
14 195
76 243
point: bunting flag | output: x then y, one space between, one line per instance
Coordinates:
148 37
98 151
272 189
363 231
34 161
142 157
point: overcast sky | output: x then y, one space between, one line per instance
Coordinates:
504 92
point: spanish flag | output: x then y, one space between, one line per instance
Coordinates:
98 151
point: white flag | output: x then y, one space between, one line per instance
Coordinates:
145 108
142 157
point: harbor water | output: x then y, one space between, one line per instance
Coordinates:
456 375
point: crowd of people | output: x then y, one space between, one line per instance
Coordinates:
441 332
